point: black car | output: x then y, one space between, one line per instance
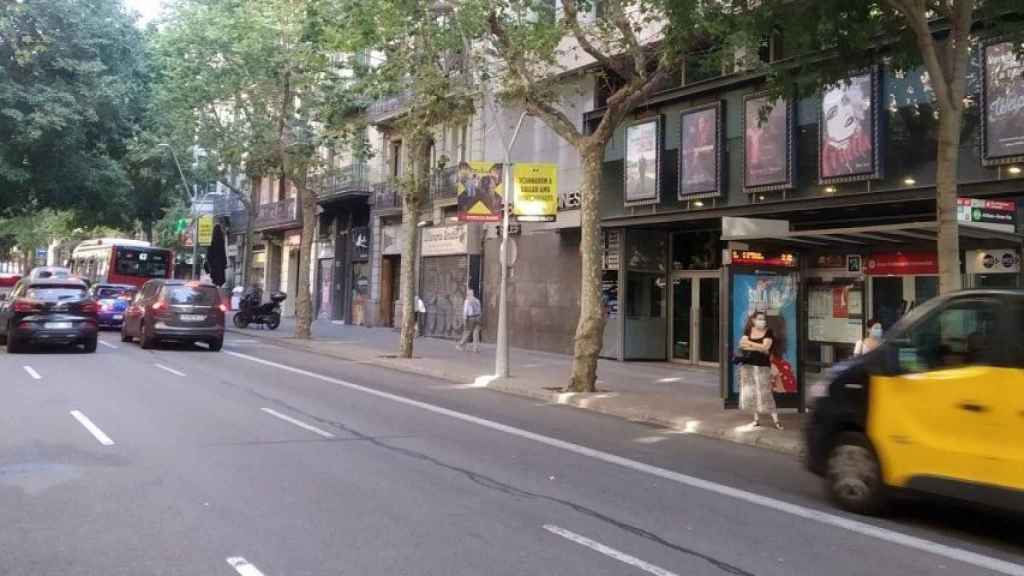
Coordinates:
48 310
176 310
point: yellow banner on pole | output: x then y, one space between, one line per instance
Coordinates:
536 192
205 230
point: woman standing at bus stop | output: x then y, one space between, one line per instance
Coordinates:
756 369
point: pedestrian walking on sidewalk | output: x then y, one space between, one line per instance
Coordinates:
471 323
756 369
421 316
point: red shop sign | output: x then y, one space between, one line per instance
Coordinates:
903 263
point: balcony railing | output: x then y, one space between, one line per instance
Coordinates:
352 179
387 195
444 183
388 108
284 214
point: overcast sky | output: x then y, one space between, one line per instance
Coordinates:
149 9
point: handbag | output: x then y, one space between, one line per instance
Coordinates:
740 356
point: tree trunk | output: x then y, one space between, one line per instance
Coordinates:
414 191
303 297
946 196
147 230
590 329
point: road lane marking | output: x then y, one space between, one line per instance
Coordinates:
168 369
298 423
233 341
608 551
243 567
92 428
108 345
32 372
856 526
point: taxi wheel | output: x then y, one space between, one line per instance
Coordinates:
854 476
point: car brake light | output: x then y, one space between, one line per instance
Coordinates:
157 306
89 308
223 307
27 306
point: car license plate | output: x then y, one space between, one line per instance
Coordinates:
192 317
57 325
118 316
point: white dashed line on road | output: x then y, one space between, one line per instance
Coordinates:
242 341
607 551
243 567
92 428
822 517
32 372
108 345
298 423
168 369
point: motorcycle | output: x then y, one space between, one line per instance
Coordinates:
252 311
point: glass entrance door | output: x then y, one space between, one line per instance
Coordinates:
682 316
695 329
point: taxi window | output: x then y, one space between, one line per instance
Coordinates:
962 334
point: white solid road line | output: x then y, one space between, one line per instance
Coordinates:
607 551
32 372
92 428
243 567
298 423
108 345
863 528
168 369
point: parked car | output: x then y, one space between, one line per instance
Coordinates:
937 408
7 282
176 310
113 301
48 310
44 272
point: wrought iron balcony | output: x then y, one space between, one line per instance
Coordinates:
281 215
387 195
444 183
350 180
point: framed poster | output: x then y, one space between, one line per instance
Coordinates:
848 131
768 144
481 191
1002 99
700 152
642 160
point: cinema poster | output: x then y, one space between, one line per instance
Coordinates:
767 143
1003 103
700 152
643 154
848 131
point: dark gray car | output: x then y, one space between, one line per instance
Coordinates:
175 310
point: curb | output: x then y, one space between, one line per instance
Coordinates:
766 439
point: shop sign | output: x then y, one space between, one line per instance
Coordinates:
752 258
642 157
536 192
391 239
444 240
205 230
903 263
480 191
1002 100
360 243
992 214
992 261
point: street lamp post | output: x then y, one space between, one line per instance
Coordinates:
501 355
192 205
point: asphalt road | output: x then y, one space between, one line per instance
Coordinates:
267 460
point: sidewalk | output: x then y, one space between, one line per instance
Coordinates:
682 398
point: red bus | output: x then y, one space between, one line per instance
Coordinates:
120 261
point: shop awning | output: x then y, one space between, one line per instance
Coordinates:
755 229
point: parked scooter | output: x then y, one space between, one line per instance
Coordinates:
252 311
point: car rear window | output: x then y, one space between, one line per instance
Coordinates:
192 295
55 293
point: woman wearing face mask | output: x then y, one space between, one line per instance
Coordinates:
756 369
871 341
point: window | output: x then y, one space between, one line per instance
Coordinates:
142 263
962 334
55 293
396 159
191 295
645 295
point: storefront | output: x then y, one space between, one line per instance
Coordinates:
822 288
450 263
669 284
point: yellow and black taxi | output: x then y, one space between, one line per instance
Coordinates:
937 408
